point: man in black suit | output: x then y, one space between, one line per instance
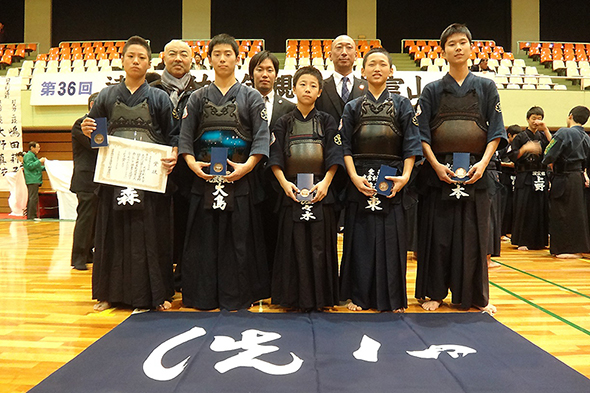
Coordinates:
342 86
83 186
264 68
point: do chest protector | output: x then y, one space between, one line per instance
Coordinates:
378 135
220 127
134 123
459 126
304 151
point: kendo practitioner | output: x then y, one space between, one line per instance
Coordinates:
305 274
379 128
495 234
263 70
458 114
83 185
224 263
508 178
530 227
567 154
179 84
133 256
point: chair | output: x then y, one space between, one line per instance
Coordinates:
503 70
425 63
558 65
12 72
506 63
519 63
432 68
531 70
528 87
439 62
517 71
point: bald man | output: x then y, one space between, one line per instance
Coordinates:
179 84
338 90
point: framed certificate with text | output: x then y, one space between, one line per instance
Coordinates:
134 164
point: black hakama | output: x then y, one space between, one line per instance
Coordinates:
305 268
373 269
224 260
530 225
133 255
453 233
568 221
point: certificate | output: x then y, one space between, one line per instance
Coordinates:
135 164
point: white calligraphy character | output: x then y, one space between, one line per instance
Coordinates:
250 343
128 196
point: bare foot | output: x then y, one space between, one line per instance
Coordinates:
523 248
353 307
568 256
101 306
492 264
490 309
399 311
431 305
164 306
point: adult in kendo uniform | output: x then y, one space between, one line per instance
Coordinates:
458 114
179 84
568 154
530 226
224 263
379 128
133 257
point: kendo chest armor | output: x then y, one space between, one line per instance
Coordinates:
134 123
458 126
304 148
220 127
378 135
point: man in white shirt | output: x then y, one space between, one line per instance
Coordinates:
264 68
342 86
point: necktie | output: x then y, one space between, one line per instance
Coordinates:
345 92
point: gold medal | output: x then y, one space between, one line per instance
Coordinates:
218 167
460 173
98 139
383 186
304 193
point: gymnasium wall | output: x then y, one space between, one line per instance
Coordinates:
75 20
276 21
486 19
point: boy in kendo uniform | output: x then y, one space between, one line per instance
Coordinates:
133 257
377 129
458 114
224 262
305 274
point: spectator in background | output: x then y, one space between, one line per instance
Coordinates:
34 168
482 66
83 186
198 62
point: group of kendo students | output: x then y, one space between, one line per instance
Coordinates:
269 226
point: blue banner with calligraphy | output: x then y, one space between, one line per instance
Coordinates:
307 353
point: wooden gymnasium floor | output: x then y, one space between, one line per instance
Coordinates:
46 315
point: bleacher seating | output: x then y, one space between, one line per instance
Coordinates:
568 59
316 52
